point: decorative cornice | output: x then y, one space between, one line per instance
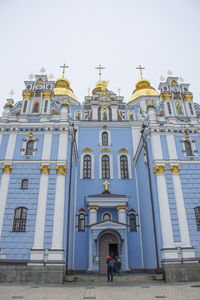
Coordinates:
45 169
65 103
175 169
121 207
105 150
27 94
93 207
7 168
47 94
187 97
61 169
87 150
166 96
150 105
9 105
159 169
123 150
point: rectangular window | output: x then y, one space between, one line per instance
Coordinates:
197 216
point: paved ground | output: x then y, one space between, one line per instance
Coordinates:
108 291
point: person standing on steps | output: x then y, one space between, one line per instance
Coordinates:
110 268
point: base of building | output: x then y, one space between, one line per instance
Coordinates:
177 272
16 272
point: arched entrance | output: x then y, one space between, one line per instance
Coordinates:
108 245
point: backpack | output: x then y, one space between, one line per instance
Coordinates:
111 263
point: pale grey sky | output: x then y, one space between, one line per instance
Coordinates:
119 34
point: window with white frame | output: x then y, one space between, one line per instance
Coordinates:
87 166
104 138
124 166
24 184
81 220
29 147
197 217
132 221
188 148
19 222
105 166
106 216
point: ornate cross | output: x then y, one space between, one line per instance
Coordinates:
106 183
64 67
140 68
100 68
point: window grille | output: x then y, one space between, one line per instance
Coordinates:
105 167
19 222
87 167
29 147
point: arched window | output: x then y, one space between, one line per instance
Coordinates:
29 147
197 216
24 184
132 222
169 108
36 107
106 217
25 106
191 109
188 148
104 139
123 166
19 222
45 106
81 222
87 166
105 167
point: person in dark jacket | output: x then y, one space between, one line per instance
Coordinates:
110 267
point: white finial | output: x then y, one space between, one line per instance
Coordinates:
42 70
31 76
11 92
51 76
169 72
162 78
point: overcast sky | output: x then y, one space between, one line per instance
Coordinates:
119 34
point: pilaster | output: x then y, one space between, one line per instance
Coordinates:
122 214
93 214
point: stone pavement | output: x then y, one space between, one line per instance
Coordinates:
107 291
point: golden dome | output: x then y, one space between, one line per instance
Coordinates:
143 88
63 88
101 85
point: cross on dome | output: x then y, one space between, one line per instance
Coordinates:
106 183
140 68
99 68
64 67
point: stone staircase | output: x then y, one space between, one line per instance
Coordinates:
135 278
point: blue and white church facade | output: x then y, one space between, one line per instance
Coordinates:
81 181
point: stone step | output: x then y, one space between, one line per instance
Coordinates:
126 278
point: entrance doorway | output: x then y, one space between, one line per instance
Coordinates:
108 245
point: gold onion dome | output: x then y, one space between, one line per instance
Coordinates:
101 85
63 88
143 88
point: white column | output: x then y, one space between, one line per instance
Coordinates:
183 225
92 214
41 210
165 218
3 192
156 147
6 176
171 147
122 214
37 253
114 112
57 252
90 258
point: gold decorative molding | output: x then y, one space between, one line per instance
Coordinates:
150 105
65 103
187 96
105 150
187 135
175 169
9 105
93 207
61 169
104 127
121 207
7 168
47 94
30 135
106 184
45 169
27 94
123 150
166 96
159 169
87 150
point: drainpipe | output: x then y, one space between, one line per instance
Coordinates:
151 193
69 194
